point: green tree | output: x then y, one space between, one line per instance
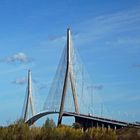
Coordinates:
76 125
49 123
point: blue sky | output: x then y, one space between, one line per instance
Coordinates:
105 33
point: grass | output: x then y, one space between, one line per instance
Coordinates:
21 131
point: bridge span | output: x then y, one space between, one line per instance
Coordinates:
86 121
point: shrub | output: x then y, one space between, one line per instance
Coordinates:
76 125
21 131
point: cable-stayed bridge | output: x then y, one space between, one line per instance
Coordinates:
69 95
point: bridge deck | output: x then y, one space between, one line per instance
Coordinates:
81 118
105 120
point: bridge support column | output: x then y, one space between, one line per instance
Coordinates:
29 99
68 76
97 124
102 125
92 124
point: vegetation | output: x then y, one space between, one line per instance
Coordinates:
128 133
21 131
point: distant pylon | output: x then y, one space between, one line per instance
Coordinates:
29 99
68 76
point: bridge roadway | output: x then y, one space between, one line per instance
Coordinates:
86 121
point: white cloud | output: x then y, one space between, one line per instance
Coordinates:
19 57
56 38
96 87
136 65
20 81
104 26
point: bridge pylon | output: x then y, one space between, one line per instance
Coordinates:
28 104
68 76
